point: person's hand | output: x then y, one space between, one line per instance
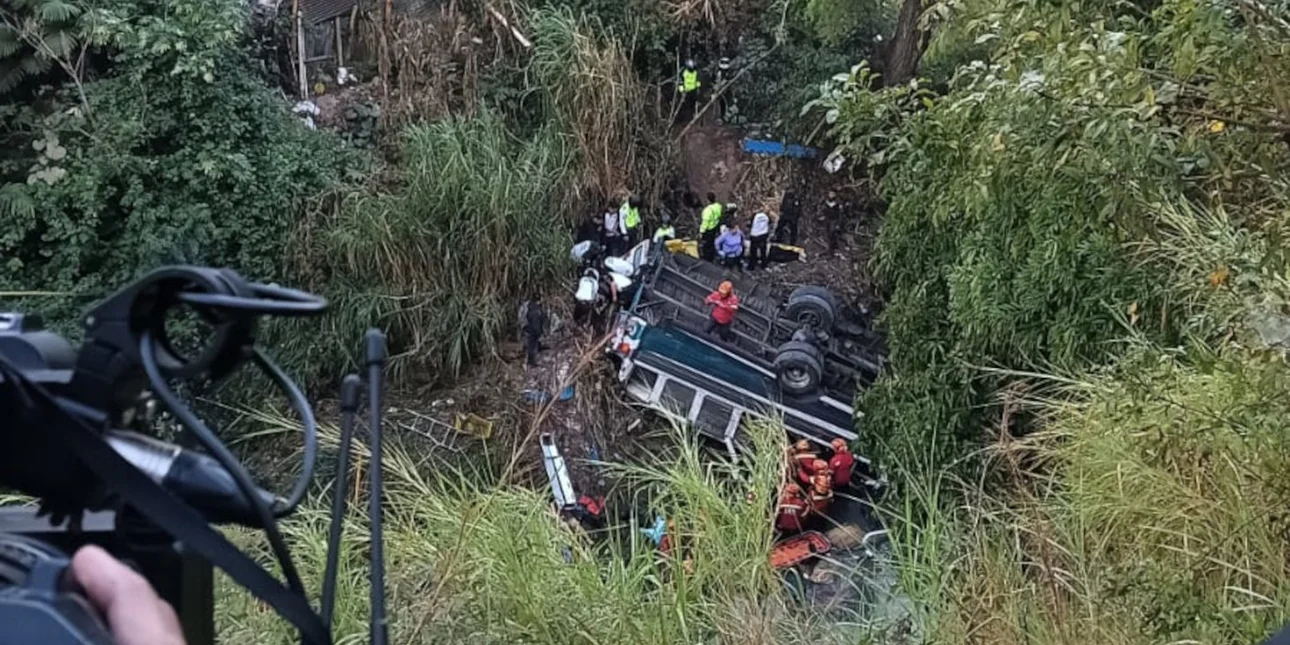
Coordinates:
135 614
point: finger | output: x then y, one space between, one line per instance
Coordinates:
107 582
134 612
168 620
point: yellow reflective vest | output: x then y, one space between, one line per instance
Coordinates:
631 216
689 80
711 217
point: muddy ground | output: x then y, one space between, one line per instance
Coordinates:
713 160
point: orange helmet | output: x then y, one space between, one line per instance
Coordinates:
793 489
725 288
839 445
819 464
802 446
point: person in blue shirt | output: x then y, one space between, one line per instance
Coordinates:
730 248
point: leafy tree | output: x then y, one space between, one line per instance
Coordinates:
839 21
1018 198
180 154
36 36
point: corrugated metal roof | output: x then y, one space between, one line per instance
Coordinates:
317 11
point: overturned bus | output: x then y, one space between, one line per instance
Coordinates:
800 358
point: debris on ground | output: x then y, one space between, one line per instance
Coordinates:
710 160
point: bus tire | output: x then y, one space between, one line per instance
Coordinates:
810 305
799 367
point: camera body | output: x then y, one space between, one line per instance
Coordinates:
76 439
184 580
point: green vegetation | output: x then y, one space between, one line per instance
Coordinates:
1082 261
440 259
474 558
105 181
1160 520
1020 199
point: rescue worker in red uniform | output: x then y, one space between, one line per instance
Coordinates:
803 457
724 305
842 463
807 474
822 493
822 475
792 506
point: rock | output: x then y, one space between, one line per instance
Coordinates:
846 536
1273 328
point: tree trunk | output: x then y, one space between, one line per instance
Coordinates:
900 64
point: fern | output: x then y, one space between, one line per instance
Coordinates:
35 64
62 43
10 77
16 203
10 40
56 11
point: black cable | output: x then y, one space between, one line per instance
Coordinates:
375 342
300 404
349 395
291 302
216 448
170 515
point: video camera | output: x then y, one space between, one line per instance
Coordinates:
75 440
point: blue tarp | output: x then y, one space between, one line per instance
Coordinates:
777 149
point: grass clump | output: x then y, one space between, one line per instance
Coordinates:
473 223
472 559
1154 513
590 91
1147 505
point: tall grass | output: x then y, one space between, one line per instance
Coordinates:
475 223
471 560
1156 516
1150 507
590 90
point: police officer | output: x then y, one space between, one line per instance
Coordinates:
665 231
689 89
630 214
709 228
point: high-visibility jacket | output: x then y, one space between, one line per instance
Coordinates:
689 80
631 215
664 233
711 217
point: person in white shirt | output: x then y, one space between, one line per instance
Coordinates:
758 238
614 234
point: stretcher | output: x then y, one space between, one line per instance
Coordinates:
798 549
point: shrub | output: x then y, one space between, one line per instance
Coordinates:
180 155
473 559
472 223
